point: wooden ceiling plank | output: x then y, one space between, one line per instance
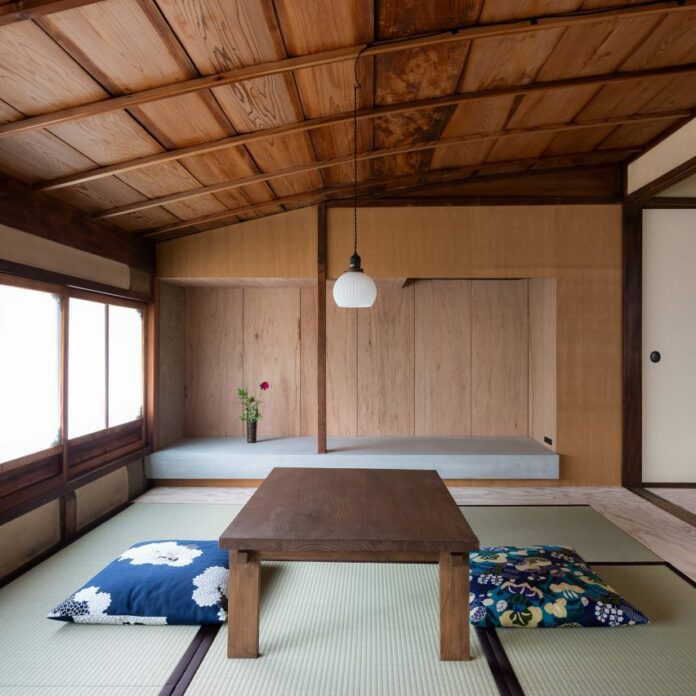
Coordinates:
541 132
24 10
289 64
568 160
613 80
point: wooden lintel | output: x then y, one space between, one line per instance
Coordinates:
22 209
349 53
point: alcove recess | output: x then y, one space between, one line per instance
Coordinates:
447 358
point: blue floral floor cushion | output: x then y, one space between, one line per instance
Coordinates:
155 582
542 587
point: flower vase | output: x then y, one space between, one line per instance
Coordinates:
251 431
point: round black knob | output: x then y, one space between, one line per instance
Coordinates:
655 356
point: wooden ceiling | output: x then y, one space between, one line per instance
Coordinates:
167 117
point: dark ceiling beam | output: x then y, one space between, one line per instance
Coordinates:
336 56
42 216
383 152
335 119
404 180
665 181
23 10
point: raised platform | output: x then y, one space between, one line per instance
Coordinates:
451 457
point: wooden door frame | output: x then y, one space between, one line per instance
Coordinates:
645 198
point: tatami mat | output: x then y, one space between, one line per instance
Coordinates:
581 527
59 658
658 659
345 629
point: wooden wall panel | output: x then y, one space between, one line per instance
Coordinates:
499 357
308 361
341 368
171 364
214 361
386 364
542 359
272 353
443 357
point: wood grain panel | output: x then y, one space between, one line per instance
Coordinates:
386 364
443 357
214 361
308 361
272 354
341 368
499 357
542 359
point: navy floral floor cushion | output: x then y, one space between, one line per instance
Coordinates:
155 582
542 587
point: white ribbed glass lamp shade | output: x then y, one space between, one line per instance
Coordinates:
354 289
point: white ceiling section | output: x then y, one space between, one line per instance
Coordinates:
669 153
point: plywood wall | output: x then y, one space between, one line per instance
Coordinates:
579 246
430 358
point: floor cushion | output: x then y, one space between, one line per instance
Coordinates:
154 582
542 587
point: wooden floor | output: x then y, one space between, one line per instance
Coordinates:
684 497
664 534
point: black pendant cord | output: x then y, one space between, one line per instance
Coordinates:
356 87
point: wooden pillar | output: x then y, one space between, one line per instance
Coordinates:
321 329
454 606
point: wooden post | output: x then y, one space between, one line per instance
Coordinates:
321 329
243 605
454 606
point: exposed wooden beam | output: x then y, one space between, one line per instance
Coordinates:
371 113
336 56
383 152
24 210
404 179
653 188
23 10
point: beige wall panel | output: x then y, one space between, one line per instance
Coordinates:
386 364
542 359
272 353
443 357
476 242
341 368
30 250
279 246
27 536
171 364
499 357
589 359
308 361
214 361
101 496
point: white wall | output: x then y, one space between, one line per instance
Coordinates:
669 326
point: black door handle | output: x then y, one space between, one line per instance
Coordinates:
655 356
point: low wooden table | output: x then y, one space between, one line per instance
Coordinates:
373 515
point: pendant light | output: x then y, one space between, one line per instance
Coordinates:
355 289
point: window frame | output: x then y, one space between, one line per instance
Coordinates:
72 458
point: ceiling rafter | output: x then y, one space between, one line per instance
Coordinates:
24 10
407 179
286 65
384 152
371 113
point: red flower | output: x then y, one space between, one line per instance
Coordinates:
264 386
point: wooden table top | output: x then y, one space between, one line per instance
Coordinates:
350 510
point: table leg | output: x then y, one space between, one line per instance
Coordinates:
243 605
454 606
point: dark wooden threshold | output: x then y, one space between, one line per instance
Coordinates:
666 505
498 662
180 679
